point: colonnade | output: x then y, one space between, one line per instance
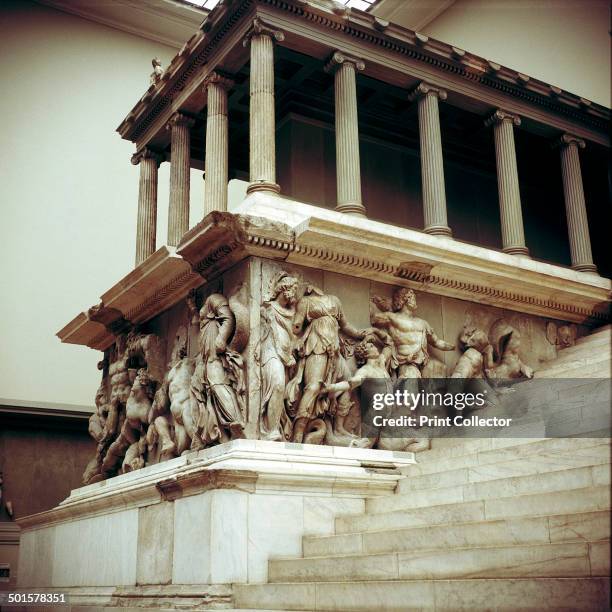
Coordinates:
262 157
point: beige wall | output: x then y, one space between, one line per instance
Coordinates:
563 42
68 192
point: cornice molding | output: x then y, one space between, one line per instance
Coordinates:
436 60
282 229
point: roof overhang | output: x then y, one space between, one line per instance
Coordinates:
392 54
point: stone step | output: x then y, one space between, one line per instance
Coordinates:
449 458
469 446
579 365
597 370
586 343
542 462
566 559
587 499
399 595
605 330
560 480
587 526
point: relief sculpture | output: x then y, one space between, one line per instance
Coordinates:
277 358
218 381
313 366
318 324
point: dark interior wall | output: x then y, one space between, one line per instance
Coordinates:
391 186
596 176
42 464
471 200
542 199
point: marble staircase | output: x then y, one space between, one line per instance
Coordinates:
502 524
588 358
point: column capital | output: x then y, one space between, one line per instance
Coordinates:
180 118
565 140
147 153
259 28
338 58
423 89
218 78
500 115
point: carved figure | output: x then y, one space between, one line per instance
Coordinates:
372 363
138 406
562 336
318 320
477 355
411 335
97 430
133 377
135 456
120 380
174 407
277 360
158 71
218 380
506 341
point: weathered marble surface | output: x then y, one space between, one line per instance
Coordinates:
209 517
232 361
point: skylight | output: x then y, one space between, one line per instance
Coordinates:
362 5
206 4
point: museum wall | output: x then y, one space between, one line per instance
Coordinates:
69 192
552 40
42 464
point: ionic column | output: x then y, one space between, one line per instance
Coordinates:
511 215
178 209
348 174
262 125
575 206
216 160
432 165
146 226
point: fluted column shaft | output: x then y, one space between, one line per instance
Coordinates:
178 209
262 124
216 162
146 226
575 206
348 173
511 215
432 165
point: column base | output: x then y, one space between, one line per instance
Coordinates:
263 186
586 267
439 230
351 208
516 250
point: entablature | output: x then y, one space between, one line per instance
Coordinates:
283 229
392 54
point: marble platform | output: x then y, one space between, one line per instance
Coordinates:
199 523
